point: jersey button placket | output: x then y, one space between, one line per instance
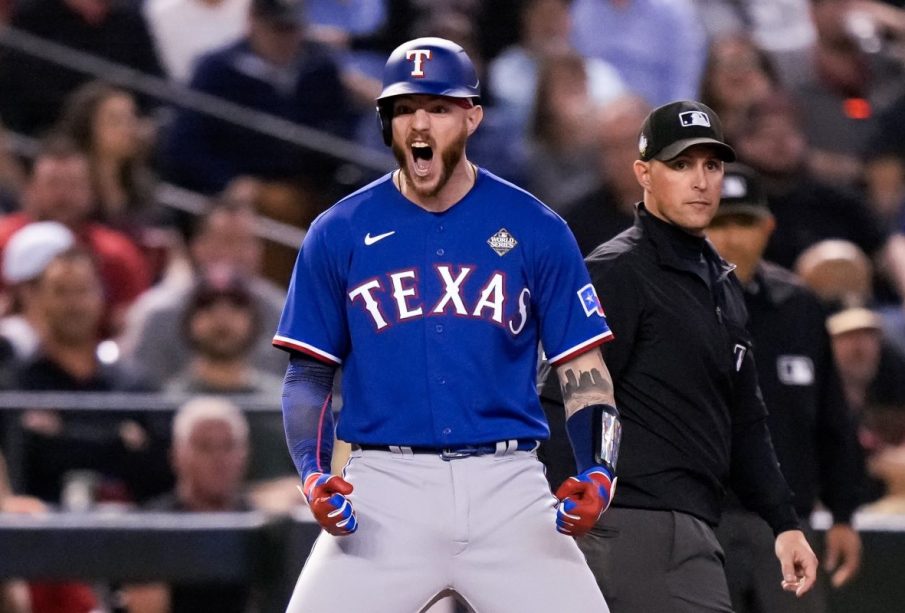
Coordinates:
437 331
439 328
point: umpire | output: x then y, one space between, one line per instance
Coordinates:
810 422
685 381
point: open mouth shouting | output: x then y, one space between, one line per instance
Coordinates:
422 158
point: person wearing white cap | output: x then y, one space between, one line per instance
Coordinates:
28 252
59 189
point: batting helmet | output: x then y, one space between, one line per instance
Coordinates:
427 65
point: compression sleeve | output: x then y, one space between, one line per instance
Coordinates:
308 414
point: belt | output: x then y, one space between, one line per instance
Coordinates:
464 451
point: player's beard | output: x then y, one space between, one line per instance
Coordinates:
449 159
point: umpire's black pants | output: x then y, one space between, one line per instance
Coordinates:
657 562
753 572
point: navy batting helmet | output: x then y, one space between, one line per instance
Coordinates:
427 65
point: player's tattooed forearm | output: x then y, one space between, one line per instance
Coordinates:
583 387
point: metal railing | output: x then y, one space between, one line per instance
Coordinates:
183 96
182 199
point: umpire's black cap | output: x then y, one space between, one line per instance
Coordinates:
743 193
672 128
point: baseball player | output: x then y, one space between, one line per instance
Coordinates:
432 287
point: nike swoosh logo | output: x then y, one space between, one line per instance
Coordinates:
370 240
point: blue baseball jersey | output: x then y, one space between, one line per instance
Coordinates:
436 317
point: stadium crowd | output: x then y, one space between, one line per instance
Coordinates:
107 287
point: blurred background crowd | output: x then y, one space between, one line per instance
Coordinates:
161 159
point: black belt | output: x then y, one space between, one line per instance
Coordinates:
464 451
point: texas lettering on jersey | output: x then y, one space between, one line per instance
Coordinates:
399 297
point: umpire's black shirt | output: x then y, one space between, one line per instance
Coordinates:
685 380
812 428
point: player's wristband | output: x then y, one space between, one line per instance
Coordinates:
595 432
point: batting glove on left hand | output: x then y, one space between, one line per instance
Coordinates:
583 499
326 495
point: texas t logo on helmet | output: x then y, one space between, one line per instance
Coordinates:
451 75
418 55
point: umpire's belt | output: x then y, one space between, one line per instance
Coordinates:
465 451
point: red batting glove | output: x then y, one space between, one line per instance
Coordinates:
583 499
326 495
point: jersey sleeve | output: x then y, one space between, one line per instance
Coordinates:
572 320
314 317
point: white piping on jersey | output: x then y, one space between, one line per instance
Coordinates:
580 346
307 348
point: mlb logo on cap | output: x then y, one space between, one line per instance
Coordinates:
694 118
672 128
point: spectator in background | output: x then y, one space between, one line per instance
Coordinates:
609 208
837 271
103 122
343 25
840 273
559 165
184 30
807 210
272 69
867 341
59 189
853 78
544 28
871 369
224 237
122 448
811 426
783 29
221 322
33 89
209 457
658 46
737 74
25 257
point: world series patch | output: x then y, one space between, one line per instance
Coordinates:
502 242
